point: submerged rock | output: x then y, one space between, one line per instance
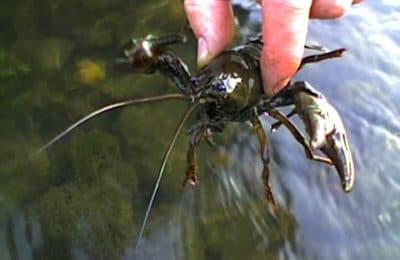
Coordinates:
90 72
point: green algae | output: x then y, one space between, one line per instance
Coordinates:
11 66
97 219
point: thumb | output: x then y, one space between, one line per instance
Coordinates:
212 23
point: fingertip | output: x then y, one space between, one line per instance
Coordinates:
213 24
328 9
284 30
277 73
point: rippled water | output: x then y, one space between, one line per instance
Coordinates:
85 198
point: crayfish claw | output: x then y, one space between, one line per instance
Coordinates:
338 151
327 133
142 55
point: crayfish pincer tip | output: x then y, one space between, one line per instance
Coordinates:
347 187
348 184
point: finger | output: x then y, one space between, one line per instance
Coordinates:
284 32
328 9
212 23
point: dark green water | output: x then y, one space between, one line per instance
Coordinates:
85 197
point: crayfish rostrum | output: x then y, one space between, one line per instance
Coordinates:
230 89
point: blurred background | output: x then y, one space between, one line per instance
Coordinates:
85 197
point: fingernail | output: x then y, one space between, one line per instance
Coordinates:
202 52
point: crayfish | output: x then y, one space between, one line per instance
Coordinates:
230 89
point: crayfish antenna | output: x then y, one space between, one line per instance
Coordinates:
102 110
167 153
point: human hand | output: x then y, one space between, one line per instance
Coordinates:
284 29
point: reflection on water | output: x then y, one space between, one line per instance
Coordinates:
86 196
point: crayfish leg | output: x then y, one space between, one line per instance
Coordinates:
191 171
320 57
265 157
298 136
278 123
